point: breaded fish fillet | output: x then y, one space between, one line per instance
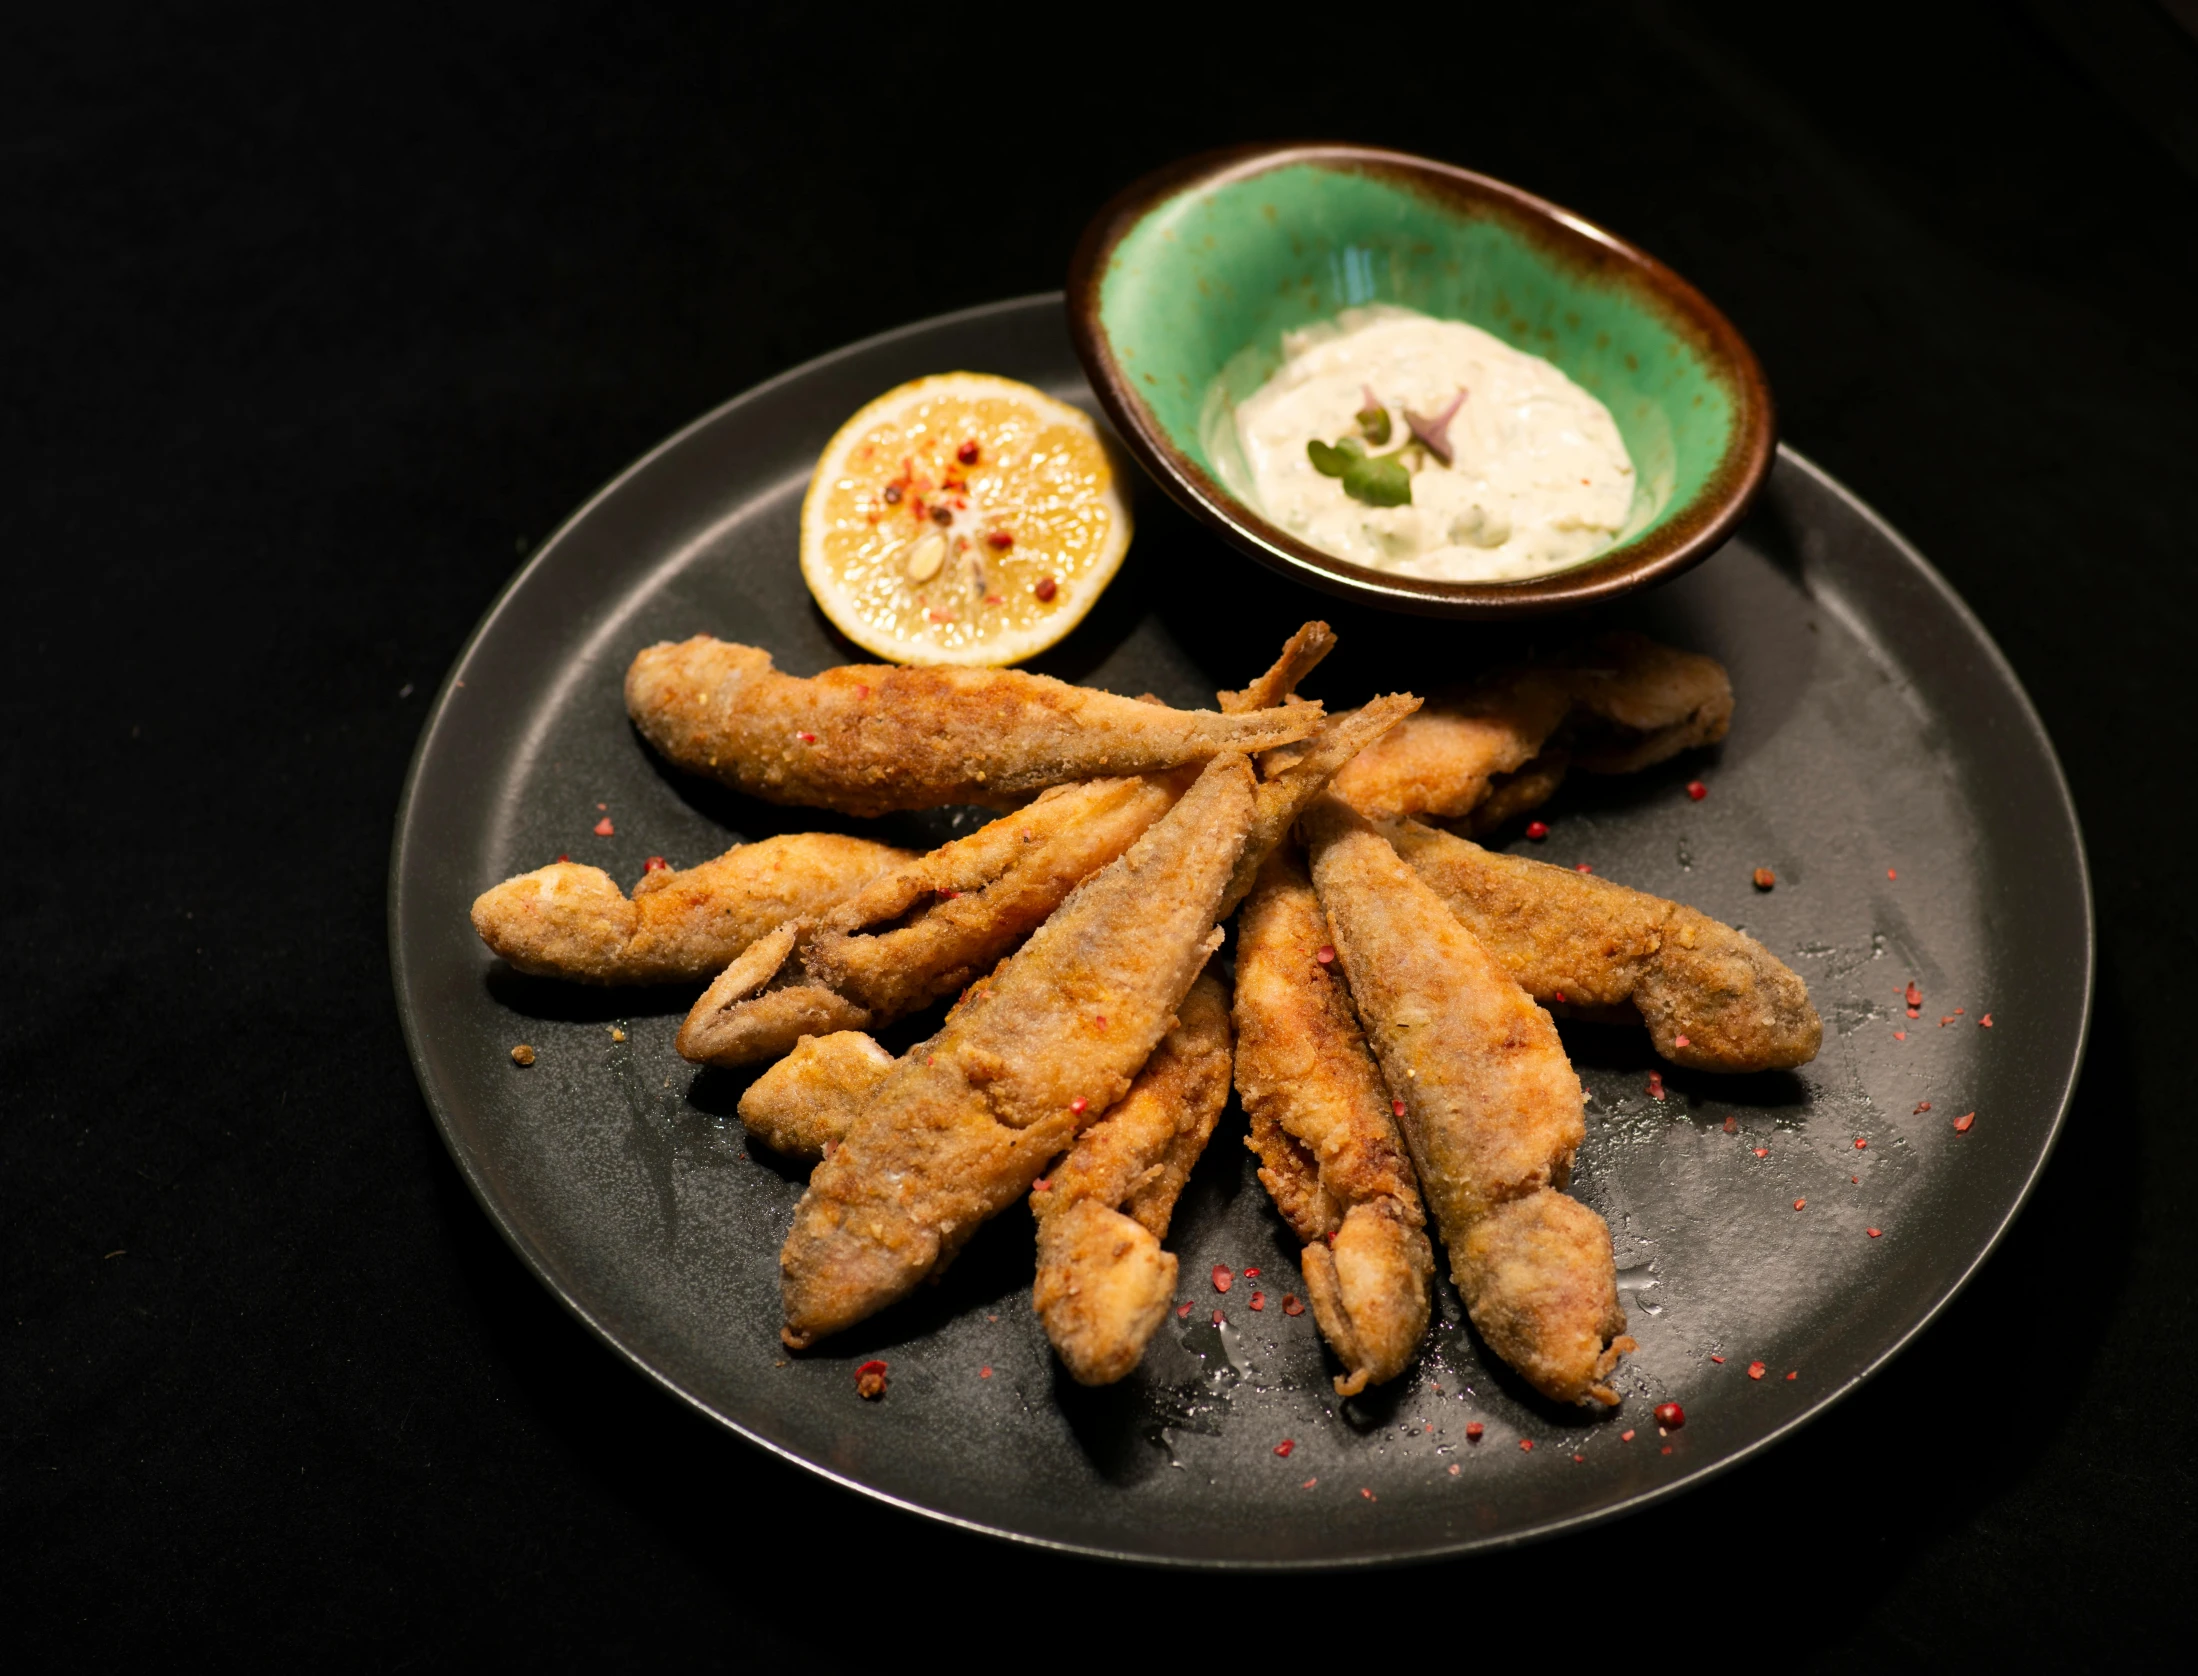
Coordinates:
1035 1054
868 739
1329 1149
1612 705
1301 655
1491 1112
1104 1283
808 1101
1713 998
570 921
927 927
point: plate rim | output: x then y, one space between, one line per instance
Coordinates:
437 717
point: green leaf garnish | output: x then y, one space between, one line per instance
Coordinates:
1381 481
1334 462
1374 421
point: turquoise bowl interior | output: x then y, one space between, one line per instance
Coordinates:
1183 286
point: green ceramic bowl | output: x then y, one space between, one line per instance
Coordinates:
1182 287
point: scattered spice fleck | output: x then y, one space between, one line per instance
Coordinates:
1731 1127
1183 1311
1583 867
1796 1374
1656 1085
1259 1300
1251 1274
1944 1022
1453 1469
1579 1457
564 858
1285 1446
1912 995
967 453
1801 1204
1697 790
1670 1416
1217 1318
1326 955
1537 830
999 541
1626 1436
1292 1304
1222 1278
1078 1104
1526 1446
806 738
1308 1484
656 864
617 1035
1473 1431
1891 874
1765 878
1667 1448
1961 1123
870 1381
1680 1042
1921 1106
1560 998
1719 1360
984 1373
1756 1370
1397 1106
522 1055
1862 1143
1044 1184
1046 588
1762 1152
1368 1494
603 827
1985 1023
1900 1035
1873 1232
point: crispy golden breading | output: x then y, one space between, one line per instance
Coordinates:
1301 654
1580 941
1329 1149
1612 705
807 1101
570 921
871 738
1034 1055
1103 1281
1491 1108
1290 786
1637 703
929 926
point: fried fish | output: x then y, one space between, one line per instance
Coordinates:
1612 705
1713 998
868 739
1329 1150
966 1121
1491 1112
1104 1283
925 928
683 926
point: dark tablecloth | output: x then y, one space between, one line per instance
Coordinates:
315 322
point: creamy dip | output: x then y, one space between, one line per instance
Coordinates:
1538 477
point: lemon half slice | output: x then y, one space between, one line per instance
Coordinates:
962 519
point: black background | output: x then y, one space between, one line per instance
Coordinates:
313 326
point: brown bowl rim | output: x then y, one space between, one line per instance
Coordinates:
1690 535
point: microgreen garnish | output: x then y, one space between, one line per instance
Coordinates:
1377 481
1434 433
1373 418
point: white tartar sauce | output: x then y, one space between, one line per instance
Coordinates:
1538 477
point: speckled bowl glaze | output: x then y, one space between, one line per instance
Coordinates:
1182 287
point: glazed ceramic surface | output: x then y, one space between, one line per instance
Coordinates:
1184 286
1877 732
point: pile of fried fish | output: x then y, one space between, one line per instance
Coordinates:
1387 1026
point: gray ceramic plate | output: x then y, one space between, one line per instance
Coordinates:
1878 733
